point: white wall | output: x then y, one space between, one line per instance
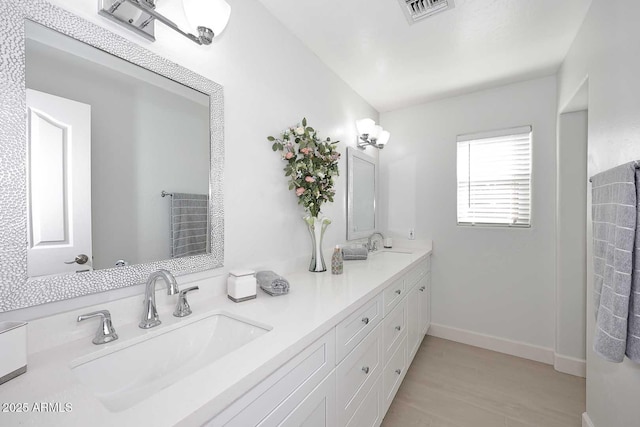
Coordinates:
271 80
493 281
571 237
605 51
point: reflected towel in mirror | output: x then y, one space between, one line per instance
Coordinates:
189 224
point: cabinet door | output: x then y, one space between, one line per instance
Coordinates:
393 374
424 289
394 329
271 402
357 373
369 413
318 409
414 317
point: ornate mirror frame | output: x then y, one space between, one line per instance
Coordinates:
16 289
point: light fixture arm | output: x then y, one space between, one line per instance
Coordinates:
365 142
371 135
202 39
114 10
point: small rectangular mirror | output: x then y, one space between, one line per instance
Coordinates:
362 187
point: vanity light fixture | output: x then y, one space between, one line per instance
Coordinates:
370 134
139 16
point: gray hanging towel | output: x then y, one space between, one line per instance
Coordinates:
189 224
616 260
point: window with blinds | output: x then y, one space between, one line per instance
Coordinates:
494 178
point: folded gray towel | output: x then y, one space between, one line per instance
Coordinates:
272 283
350 254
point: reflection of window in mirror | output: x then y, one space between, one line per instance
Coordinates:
361 194
145 134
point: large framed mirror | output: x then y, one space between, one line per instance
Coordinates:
362 188
116 170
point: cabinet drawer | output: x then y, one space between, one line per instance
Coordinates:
393 374
270 402
392 295
354 328
418 272
369 413
394 328
357 373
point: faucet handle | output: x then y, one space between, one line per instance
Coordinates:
182 308
106 332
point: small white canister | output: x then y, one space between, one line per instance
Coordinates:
13 357
241 285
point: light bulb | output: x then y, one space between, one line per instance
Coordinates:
365 126
383 138
211 14
377 130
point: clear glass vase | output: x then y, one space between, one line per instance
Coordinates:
317 226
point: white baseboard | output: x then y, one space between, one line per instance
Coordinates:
565 364
586 421
570 365
489 342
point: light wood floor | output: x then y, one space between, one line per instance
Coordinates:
456 385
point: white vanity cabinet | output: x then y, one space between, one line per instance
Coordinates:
350 376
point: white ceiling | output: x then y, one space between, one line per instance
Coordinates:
478 44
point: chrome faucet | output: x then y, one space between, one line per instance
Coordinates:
372 245
149 314
105 333
182 308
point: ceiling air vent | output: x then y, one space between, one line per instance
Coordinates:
416 10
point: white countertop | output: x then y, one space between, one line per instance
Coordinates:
317 302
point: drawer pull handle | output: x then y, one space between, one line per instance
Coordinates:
398 371
365 369
398 328
422 289
365 320
398 291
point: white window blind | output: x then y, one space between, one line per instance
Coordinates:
494 178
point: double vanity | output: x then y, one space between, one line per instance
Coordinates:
332 352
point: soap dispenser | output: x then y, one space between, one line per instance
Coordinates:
337 262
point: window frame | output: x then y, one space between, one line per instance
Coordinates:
496 133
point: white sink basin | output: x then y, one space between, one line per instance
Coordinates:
133 373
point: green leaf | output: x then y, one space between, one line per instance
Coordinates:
270 138
310 129
304 122
274 147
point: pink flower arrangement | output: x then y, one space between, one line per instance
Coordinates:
311 165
